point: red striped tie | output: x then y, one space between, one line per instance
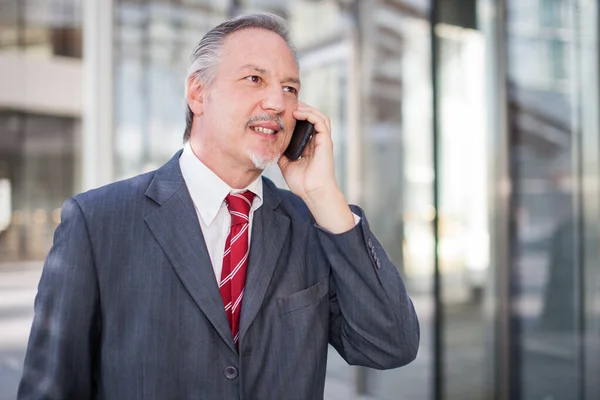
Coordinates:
235 258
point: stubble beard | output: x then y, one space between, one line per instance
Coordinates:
263 163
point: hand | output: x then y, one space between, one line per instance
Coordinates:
314 171
312 176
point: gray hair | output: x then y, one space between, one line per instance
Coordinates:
205 58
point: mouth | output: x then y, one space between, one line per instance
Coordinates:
266 126
264 130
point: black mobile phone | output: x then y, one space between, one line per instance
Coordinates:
300 137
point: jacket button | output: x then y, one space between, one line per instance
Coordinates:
231 372
370 244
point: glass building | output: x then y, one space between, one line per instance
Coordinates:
469 130
41 80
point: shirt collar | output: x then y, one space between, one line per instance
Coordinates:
207 190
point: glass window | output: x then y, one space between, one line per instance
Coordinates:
53 28
588 23
42 27
545 261
38 164
463 215
129 47
152 46
9 24
397 181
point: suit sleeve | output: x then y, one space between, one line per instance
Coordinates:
64 334
373 322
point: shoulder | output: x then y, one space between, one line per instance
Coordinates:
118 193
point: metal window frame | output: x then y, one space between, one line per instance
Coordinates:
500 325
438 315
98 124
589 183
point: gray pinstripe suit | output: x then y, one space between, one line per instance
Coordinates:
128 306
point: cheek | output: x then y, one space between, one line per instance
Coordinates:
290 122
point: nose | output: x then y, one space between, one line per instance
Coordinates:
273 100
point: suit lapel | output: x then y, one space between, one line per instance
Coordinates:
269 231
175 226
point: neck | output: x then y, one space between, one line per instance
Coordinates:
235 175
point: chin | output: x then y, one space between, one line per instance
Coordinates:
262 162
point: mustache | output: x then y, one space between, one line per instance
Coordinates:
267 117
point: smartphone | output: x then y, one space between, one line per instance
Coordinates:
300 137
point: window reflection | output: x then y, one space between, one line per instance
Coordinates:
153 42
397 182
9 25
463 214
544 260
37 157
43 28
38 166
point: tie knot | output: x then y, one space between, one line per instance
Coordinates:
239 206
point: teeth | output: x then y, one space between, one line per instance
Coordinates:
263 130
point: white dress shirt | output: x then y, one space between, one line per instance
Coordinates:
208 193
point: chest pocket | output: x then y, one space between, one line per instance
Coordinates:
302 299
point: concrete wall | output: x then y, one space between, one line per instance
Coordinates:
36 85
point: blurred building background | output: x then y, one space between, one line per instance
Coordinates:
468 129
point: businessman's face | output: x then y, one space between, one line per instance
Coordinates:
247 109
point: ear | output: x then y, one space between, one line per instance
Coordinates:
195 96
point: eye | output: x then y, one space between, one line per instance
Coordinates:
290 89
253 78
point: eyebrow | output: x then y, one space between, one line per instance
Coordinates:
265 72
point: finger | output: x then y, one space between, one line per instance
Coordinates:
319 123
311 110
306 108
324 117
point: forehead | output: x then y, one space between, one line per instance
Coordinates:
259 47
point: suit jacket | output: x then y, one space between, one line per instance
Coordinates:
128 306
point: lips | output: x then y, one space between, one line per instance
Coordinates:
264 130
267 127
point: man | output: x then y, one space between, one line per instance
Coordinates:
141 296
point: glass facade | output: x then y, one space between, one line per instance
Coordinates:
42 27
39 137
543 89
153 41
38 165
463 243
467 129
397 167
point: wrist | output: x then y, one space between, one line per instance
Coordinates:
330 210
